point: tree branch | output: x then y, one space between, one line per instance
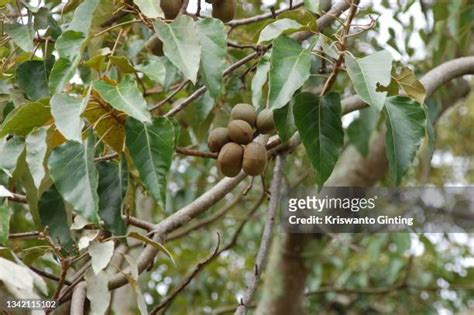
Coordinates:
262 253
258 18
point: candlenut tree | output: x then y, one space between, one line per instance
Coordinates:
131 132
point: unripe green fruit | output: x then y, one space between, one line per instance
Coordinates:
265 122
240 131
217 139
223 10
244 112
155 45
229 160
171 8
255 159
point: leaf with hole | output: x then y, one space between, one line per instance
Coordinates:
368 73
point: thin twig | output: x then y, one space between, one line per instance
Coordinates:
180 287
170 96
258 18
263 250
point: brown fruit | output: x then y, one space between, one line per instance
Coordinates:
223 10
240 131
171 8
255 159
265 123
155 45
230 159
244 112
217 139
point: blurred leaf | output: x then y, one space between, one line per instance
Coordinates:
62 72
4 224
19 280
36 148
113 183
284 122
406 121
151 242
101 254
98 291
181 44
312 5
73 160
82 18
25 118
360 129
212 36
318 120
151 8
67 111
155 69
277 28
151 148
290 65
10 152
53 215
122 63
259 80
125 97
107 124
69 43
135 286
328 46
368 73
410 84
32 78
22 35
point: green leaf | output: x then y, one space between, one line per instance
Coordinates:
69 43
410 84
62 72
25 118
312 5
368 73
318 120
155 69
100 253
151 147
289 69
151 8
32 78
212 36
4 224
284 122
52 213
113 183
406 121
10 152
122 63
67 111
360 129
82 18
328 46
72 169
36 148
259 80
22 35
151 242
277 28
181 44
125 97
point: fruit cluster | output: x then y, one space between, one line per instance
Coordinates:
234 143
